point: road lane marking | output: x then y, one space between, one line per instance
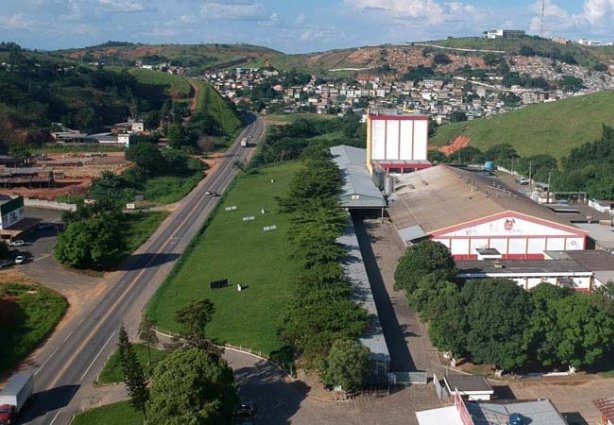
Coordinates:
97 355
54 418
69 335
46 361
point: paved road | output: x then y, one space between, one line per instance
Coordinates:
76 354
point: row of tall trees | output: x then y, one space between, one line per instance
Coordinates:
494 321
321 322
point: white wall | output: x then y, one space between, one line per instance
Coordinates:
399 140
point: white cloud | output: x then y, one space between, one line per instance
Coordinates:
301 19
402 9
16 21
236 10
122 6
598 12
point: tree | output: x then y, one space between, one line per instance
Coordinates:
496 314
147 333
195 317
458 116
134 378
587 331
503 154
604 297
441 59
448 328
420 260
491 59
429 290
347 364
192 387
147 157
206 145
544 332
539 165
526 51
571 83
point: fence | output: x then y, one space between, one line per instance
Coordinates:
52 205
406 379
441 391
285 368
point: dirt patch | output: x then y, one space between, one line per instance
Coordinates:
194 102
456 145
73 173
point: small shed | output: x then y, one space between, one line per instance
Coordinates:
470 387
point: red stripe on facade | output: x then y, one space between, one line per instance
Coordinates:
373 117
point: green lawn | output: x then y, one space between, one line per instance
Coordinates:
112 372
28 313
243 253
550 128
139 227
170 189
121 413
177 84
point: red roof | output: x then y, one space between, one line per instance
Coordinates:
606 407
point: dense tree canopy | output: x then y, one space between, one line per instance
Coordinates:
192 387
347 364
420 260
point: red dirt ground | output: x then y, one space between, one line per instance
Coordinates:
457 144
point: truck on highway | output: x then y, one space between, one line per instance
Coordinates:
17 391
244 143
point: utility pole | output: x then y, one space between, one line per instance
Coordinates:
548 191
543 17
530 179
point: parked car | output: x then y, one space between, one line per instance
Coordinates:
20 259
17 242
247 410
42 226
5 263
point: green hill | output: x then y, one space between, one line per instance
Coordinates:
549 128
219 109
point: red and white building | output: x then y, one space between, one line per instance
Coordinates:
397 142
477 218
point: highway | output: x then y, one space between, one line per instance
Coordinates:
75 355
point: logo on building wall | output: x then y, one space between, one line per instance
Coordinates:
509 223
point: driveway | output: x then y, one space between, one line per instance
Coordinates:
407 337
42 265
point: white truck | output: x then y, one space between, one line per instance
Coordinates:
17 391
244 142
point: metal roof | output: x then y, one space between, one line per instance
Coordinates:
354 268
606 407
539 412
439 197
602 235
465 383
469 269
359 191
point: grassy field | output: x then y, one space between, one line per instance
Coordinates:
290 118
112 372
550 128
243 253
27 315
121 413
177 84
170 189
139 227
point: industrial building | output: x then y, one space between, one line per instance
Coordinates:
477 217
359 191
397 142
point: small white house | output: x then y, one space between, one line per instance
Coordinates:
470 387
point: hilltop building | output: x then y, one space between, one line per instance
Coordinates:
397 142
501 33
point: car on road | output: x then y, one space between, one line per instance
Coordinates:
523 182
17 242
20 259
246 410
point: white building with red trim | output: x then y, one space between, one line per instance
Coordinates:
477 218
397 142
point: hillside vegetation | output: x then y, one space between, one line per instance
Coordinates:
550 128
211 104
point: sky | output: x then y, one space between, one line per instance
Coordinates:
291 26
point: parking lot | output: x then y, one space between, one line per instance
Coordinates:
40 265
